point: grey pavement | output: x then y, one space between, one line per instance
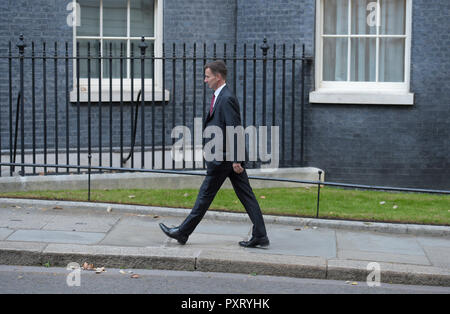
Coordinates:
34 233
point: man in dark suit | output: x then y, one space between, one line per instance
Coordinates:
224 111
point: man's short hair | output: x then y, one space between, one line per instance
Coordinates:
217 67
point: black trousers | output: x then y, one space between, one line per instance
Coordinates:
208 190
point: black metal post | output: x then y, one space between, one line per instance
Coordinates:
265 48
67 104
89 100
194 107
143 46
174 64
33 97
89 176
318 194
56 102
44 77
100 126
293 109
302 114
21 45
133 121
164 106
89 121
283 107
121 105
110 107
153 105
184 102
78 110
11 169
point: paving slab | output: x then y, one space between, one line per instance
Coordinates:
98 223
19 218
305 242
56 236
5 232
380 247
39 233
207 241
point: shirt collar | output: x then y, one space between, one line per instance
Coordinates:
217 91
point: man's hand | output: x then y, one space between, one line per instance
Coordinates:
237 168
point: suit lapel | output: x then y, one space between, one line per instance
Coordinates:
217 103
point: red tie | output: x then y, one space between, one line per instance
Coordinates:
212 104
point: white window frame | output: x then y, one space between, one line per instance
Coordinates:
378 93
105 83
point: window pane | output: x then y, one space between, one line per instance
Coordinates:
147 62
93 52
392 62
89 18
115 18
142 18
364 17
336 17
393 13
112 47
335 59
363 56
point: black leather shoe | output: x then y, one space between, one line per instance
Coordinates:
262 242
174 233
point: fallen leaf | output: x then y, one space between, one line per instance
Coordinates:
57 207
122 272
186 194
109 209
135 276
87 266
354 283
155 216
100 270
298 229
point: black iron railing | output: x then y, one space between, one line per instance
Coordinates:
66 114
269 82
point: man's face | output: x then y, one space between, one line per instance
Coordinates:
211 79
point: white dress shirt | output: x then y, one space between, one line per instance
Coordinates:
217 92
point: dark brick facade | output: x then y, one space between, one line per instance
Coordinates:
380 145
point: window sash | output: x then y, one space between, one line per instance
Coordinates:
150 40
351 37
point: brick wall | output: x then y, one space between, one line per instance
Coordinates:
382 145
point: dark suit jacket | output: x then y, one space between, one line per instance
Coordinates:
225 113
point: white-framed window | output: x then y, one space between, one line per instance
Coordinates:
115 27
363 50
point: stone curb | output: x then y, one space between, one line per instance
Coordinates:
414 229
60 255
